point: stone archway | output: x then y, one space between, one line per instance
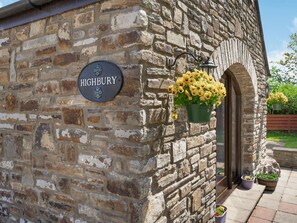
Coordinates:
233 55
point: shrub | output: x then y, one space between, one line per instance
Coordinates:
290 91
268 176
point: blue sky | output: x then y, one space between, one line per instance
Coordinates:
6 2
279 20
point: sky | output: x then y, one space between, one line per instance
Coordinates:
279 20
6 2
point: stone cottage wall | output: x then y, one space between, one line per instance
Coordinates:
66 159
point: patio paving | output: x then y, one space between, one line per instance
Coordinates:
259 206
279 206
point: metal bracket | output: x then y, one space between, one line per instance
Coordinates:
170 62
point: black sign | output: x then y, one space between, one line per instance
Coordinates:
100 81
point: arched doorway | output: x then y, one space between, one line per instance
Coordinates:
228 137
237 125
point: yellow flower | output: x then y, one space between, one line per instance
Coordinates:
192 88
200 92
218 102
174 91
174 115
170 88
210 79
191 81
180 89
180 82
186 78
207 95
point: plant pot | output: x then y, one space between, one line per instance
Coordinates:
248 184
222 218
199 113
270 184
277 106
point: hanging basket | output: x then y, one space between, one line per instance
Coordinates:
277 106
199 113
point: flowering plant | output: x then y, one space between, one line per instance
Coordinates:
277 97
220 210
196 87
248 177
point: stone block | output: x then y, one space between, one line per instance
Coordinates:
64 32
11 102
27 76
206 150
176 39
29 105
108 202
13 117
6 195
46 51
4 76
12 147
117 41
196 199
49 87
72 135
73 116
37 28
65 59
97 161
124 117
83 19
154 207
68 86
178 209
40 42
85 41
115 4
45 184
128 187
129 20
179 150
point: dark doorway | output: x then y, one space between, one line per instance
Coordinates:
228 139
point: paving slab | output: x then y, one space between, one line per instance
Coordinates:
264 213
290 191
242 202
257 220
288 208
272 196
282 217
289 199
268 203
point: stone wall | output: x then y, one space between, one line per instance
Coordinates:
66 159
286 157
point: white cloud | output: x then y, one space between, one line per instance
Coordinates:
293 29
276 55
1 4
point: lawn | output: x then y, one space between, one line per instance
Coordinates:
289 138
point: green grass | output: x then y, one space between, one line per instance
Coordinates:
289 138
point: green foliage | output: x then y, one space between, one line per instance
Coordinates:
268 176
286 69
291 92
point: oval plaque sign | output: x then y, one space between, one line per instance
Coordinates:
100 81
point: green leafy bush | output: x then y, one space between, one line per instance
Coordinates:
290 91
268 176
